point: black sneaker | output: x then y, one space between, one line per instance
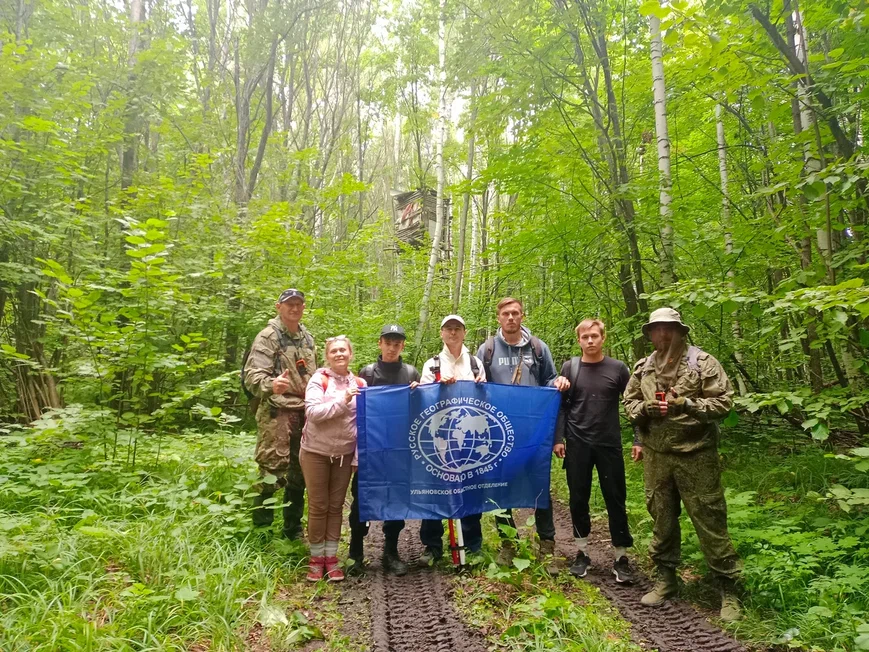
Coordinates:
622 571
430 556
355 567
580 565
392 564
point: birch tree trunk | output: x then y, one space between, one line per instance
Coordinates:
659 91
735 326
434 257
466 200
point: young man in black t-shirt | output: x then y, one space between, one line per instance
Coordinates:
388 370
588 425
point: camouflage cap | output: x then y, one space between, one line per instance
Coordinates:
665 316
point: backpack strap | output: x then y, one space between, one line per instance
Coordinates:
537 347
693 357
278 367
436 368
409 372
359 382
488 356
574 366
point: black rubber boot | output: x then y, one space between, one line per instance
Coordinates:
262 516
356 555
391 560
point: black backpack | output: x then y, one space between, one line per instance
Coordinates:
536 346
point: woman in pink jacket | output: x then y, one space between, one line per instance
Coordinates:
328 454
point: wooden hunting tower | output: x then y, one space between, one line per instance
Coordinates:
415 214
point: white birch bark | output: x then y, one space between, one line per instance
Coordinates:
434 257
726 225
659 91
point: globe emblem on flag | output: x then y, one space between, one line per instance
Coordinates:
458 439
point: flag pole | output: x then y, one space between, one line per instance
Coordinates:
454 548
461 543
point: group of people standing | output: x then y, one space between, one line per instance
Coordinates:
674 398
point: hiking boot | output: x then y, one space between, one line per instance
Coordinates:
262 516
546 554
665 587
292 533
316 569
580 565
357 547
475 557
622 571
430 556
333 569
731 610
356 567
392 564
506 554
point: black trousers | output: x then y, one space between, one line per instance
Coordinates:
543 521
431 533
579 462
359 529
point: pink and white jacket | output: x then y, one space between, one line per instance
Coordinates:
330 422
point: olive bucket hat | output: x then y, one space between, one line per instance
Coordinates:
665 316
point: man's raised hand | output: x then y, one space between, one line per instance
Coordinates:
282 383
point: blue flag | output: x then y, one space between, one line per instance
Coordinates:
447 451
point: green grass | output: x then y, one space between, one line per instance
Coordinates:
96 555
528 610
806 558
93 557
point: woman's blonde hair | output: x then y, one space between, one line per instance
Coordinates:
331 340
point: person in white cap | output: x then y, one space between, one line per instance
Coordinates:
675 398
453 363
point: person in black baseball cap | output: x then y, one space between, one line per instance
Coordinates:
388 370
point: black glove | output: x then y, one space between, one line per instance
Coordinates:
651 408
679 405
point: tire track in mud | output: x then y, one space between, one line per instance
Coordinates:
413 613
675 626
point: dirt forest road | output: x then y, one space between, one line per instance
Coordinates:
415 613
675 626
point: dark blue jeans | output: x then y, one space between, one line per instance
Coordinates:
431 533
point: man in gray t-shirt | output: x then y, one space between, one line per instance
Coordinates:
588 425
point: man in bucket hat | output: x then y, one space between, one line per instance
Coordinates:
675 398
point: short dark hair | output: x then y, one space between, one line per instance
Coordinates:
506 301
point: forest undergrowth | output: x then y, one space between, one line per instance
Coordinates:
97 555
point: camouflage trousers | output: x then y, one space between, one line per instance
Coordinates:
695 480
277 453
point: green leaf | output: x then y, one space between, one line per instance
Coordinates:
185 594
521 563
653 7
860 452
820 432
732 419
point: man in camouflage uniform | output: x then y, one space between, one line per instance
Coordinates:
678 439
281 361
